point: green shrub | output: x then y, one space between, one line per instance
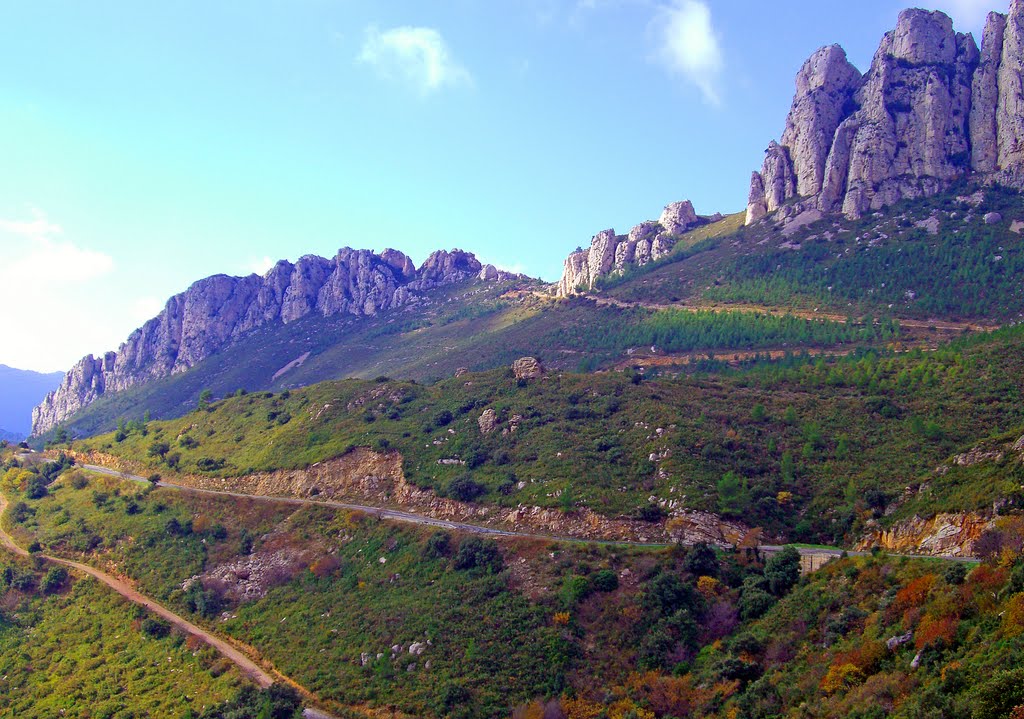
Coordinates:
481 555
605 580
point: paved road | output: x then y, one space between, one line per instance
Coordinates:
392 514
248 667
396 515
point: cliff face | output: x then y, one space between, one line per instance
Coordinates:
931 108
216 310
609 252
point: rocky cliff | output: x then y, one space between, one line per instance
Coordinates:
931 108
609 252
217 310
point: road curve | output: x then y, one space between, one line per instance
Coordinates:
399 516
247 666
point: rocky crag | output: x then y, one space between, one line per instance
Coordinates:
217 310
646 242
932 108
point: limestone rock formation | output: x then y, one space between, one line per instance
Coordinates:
488 421
609 252
217 310
930 109
527 368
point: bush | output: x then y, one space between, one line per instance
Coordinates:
997 697
955 573
605 580
782 571
649 512
203 602
478 554
464 489
701 560
35 487
439 545
155 628
278 702
21 512
575 588
667 594
754 603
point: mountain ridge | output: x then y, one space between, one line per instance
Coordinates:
217 310
932 109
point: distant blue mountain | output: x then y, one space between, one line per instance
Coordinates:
10 436
20 391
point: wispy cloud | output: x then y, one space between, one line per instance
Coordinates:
58 282
38 256
687 45
259 265
38 228
968 15
417 55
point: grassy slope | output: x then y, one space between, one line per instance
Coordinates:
968 270
848 427
546 625
476 333
80 653
491 635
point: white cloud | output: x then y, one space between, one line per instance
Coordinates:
51 285
259 266
687 45
146 308
418 55
38 228
968 15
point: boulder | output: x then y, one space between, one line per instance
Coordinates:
488 421
527 368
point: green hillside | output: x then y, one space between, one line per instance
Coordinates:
70 647
809 449
933 258
377 617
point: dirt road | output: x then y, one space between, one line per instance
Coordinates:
247 666
934 325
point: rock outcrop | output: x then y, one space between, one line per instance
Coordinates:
610 253
944 535
527 368
931 108
217 310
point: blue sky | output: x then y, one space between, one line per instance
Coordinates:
146 145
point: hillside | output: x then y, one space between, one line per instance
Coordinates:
217 311
371 615
20 391
952 257
762 444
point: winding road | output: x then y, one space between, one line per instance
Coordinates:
820 554
248 667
